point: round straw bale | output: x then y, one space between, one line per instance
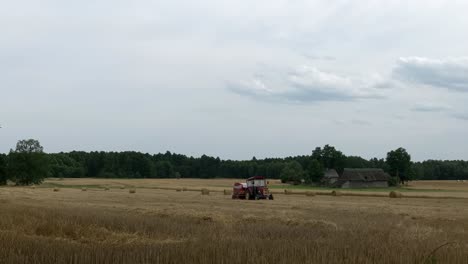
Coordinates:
395 194
184 189
56 189
336 193
178 189
122 187
33 187
309 193
227 192
106 188
132 191
205 191
84 189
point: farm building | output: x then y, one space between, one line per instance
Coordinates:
330 176
362 178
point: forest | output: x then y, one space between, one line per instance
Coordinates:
77 164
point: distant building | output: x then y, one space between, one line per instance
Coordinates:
362 178
330 177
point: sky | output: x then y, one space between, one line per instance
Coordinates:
234 78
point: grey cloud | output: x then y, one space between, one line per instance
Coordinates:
304 85
450 73
463 117
429 108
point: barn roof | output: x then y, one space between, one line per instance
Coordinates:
330 174
364 175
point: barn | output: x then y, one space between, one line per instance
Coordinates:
330 177
362 178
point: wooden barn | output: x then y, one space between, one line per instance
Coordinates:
330 177
362 178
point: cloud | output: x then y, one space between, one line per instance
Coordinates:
449 73
463 117
430 108
304 85
360 122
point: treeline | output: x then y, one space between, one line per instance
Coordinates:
170 165
28 164
78 164
441 170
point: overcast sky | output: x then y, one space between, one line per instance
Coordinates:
236 79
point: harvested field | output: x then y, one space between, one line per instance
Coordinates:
164 226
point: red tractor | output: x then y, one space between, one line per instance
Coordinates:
255 188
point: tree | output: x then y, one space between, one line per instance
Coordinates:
329 157
27 164
164 169
315 172
399 163
3 172
292 172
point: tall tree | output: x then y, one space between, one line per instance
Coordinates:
315 172
27 164
399 163
3 173
292 172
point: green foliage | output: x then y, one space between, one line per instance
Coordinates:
399 163
3 169
292 172
28 164
394 181
164 169
329 157
315 172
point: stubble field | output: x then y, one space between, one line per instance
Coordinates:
158 224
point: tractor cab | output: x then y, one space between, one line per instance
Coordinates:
255 188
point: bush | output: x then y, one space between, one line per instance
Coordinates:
394 181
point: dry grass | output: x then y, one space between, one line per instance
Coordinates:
309 193
164 226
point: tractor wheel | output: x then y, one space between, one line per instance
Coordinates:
270 197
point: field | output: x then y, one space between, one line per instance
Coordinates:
82 222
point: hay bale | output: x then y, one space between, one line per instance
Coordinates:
227 192
84 189
395 194
132 191
56 189
122 187
336 193
178 189
106 188
33 187
184 189
309 193
205 191
287 192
